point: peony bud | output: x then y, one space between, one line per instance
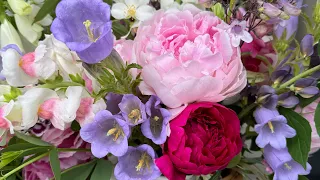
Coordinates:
20 7
9 35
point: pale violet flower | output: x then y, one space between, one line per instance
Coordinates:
136 9
238 32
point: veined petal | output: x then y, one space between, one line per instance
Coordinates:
119 11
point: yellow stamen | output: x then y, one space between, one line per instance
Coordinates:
156 118
131 13
271 127
287 166
143 162
20 63
135 115
87 24
116 131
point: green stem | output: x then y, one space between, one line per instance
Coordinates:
299 76
246 110
261 58
58 85
23 165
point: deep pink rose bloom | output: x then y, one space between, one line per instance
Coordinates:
62 139
187 56
308 113
204 138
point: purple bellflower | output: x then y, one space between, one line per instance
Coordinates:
272 128
267 97
85 27
107 134
154 127
113 101
284 167
132 110
137 164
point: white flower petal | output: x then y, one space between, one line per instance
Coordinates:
9 35
235 41
46 21
144 12
246 37
43 64
25 28
119 11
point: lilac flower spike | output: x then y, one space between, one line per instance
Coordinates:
107 134
113 101
85 27
284 167
132 110
307 45
272 128
238 32
158 118
137 164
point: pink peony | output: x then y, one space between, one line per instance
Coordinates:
62 139
186 57
308 113
204 138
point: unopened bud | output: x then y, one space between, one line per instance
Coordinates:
20 7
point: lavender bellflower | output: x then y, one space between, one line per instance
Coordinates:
154 127
132 110
113 101
85 27
137 164
107 134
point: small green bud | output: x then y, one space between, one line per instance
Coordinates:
281 46
316 13
218 10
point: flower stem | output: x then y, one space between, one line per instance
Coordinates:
299 76
23 165
246 110
62 84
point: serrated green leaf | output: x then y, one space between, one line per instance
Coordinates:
298 146
48 7
79 172
235 161
55 163
32 140
103 170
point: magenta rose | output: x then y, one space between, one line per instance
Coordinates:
204 138
187 56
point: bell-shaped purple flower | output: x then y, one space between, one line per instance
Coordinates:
107 134
272 128
85 27
132 110
306 87
307 45
137 164
113 101
154 127
282 74
282 164
267 97
288 100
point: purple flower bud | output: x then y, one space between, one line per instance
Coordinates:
267 97
272 128
158 118
113 101
288 100
282 164
307 45
290 9
132 109
271 10
282 74
306 87
107 134
137 163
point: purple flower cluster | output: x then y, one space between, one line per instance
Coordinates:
111 129
272 129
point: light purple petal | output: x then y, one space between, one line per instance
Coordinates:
307 45
11 46
113 101
128 104
275 157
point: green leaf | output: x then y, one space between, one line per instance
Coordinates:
216 176
119 30
235 161
12 177
79 172
75 126
103 170
55 163
17 147
298 146
317 118
31 139
303 178
8 157
48 7
303 102
108 2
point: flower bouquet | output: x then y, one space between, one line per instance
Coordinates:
145 90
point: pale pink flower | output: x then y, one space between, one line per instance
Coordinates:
186 57
308 113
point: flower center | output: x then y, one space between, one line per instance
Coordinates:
271 127
286 165
116 132
87 24
131 12
143 162
156 118
135 115
237 29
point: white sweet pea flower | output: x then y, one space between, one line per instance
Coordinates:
31 102
20 7
238 32
9 35
136 9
